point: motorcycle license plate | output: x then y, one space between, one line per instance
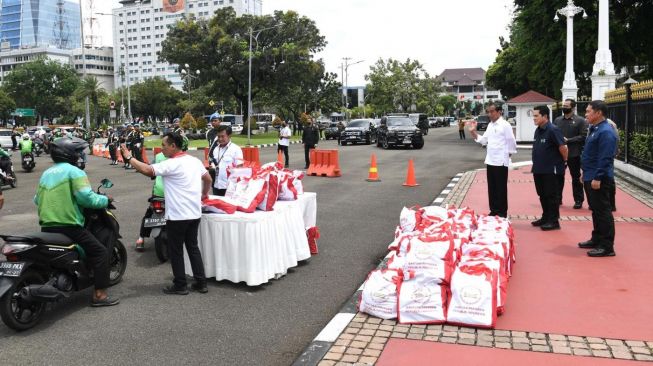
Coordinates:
155 221
407 140
27 158
11 269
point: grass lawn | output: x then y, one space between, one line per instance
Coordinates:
240 140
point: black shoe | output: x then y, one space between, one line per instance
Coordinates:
578 205
199 287
601 252
538 222
550 226
173 290
107 301
589 244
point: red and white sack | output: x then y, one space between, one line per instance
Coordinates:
433 258
297 183
379 295
422 300
240 172
465 215
435 213
400 244
287 191
217 204
409 219
473 299
395 261
313 233
502 279
271 193
247 193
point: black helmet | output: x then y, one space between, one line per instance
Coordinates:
67 149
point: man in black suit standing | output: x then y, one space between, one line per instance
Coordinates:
310 138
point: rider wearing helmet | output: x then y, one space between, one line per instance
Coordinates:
176 123
63 192
25 145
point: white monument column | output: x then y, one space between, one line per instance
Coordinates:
603 75
569 86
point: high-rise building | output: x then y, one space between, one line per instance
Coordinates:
39 23
139 27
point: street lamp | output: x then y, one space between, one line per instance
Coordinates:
187 76
86 104
126 65
249 81
569 86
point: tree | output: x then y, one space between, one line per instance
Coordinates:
42 84
91 88
282 56
427 97
7 106
155 97
535 56
448 103
396 85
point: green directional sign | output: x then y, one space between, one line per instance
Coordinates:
24 112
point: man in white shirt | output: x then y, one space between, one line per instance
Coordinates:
223 153
284 141
186 183
500 142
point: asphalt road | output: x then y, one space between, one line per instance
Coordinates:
233 324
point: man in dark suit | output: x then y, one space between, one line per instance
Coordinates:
574 129
310 138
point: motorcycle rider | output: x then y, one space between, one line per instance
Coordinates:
5 164
25 145
63 192
112 143
157 192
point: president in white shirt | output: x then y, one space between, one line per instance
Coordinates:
500 143
223 154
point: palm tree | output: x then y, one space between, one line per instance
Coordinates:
90 87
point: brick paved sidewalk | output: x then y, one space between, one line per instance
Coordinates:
364 337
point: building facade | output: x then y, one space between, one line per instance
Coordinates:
39 23
10 59
99 63
468 84
139 28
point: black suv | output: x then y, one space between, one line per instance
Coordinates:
332 132
359 130
482 122
398 131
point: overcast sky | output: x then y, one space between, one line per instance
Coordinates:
439 33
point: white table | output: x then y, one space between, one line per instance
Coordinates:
256 247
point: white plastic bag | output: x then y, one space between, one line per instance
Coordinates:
422 300
473 298
379 295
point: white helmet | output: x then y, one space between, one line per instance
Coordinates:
25 136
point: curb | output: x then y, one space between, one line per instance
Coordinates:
320 345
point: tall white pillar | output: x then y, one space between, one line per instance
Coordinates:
603 73
569 86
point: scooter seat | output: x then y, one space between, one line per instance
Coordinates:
40 238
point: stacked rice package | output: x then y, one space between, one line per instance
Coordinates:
444 266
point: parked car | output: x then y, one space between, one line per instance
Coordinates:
359 130
438 122
5 138
451 121
482 122
399 131
332 132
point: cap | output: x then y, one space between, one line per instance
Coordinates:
215 116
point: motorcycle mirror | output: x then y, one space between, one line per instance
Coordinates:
106 183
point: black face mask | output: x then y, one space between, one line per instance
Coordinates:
566 110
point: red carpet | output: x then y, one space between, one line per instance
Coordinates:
556 288
399 352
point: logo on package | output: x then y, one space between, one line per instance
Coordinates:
470 295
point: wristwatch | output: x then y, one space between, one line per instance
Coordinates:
128 158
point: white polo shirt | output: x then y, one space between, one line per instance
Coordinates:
500 143
285 141
230 155
182 186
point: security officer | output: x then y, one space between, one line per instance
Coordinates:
212 133
112 143
137 140
574 130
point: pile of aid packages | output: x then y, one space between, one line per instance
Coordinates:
445 266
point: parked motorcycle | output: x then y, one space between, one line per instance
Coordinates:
28 162
46 267
8 177
157 224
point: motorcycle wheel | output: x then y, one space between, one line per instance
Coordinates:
14 182
117 263
17 314
161 246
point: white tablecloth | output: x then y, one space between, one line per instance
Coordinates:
256 247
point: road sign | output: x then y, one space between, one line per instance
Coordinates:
24 112
112 114
211 103
112 105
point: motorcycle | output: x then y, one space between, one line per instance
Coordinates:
8 177
38 146
45 267
157 224
28 162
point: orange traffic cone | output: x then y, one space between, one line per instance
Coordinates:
373 175
144 155
410 177
280 157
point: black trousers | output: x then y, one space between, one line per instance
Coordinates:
307 153
285 153
461 133
145 231
546 186
497 190
180 233
96 253
602 219
137 153
112 153
219 192
574 170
